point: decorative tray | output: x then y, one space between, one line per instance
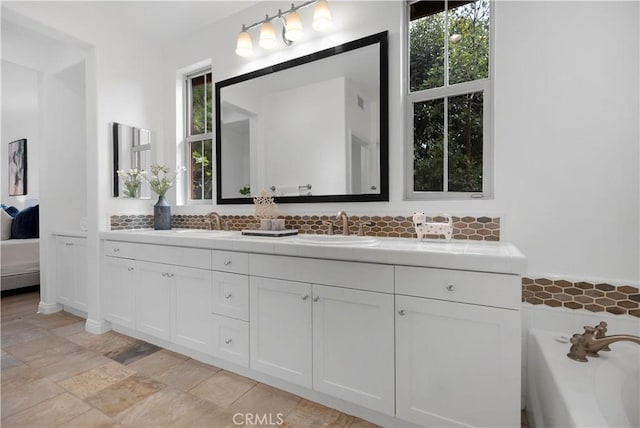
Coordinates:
271 233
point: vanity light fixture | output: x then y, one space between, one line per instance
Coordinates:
292 29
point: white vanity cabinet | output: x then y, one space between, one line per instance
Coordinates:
229 301
71 271
353 356
389 342
119 278
280 329
457 364
191 311
336 339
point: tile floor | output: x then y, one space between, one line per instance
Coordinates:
56 374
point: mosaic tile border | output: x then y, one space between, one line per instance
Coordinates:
464 228
601 297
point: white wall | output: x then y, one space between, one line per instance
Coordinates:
566 125
20 120
567 135
566 119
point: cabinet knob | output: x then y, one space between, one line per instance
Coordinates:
450 287
402 312
170 275
315 299
68 244
226 262
227 341
227 296
116 250
130 268
305 297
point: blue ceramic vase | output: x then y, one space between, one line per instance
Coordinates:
162 214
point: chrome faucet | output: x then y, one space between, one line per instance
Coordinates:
594 340
214 217
344 218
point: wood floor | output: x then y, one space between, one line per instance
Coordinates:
56 374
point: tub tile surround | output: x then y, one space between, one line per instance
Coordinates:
481 228
590 296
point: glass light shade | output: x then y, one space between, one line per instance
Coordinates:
293 31
244 46
455 38
267 36
322 17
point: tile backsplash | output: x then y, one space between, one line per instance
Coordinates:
594 297
465 228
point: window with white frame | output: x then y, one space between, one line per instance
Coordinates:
199 138
449 100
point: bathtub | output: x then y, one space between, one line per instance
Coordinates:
565 393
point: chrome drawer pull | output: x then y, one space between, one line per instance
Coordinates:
226 262
402 312
227 296
305 297
315 299
116 250
227 341
130 268
450 287
68 244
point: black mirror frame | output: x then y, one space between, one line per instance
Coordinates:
382 40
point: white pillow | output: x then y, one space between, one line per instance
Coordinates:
5 227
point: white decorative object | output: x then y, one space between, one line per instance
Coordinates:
424 228
277 224
265 207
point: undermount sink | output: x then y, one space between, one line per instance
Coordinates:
345 240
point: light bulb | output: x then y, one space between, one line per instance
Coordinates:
244 46
293 30
455 38
267 36
322 17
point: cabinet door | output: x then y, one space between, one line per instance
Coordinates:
192 308
80 274
353 341
153 299
280 329
457 364
118 282
65 270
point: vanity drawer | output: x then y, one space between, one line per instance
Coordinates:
230 295
231 340
230 261
360 276
481 288
179 256
125 250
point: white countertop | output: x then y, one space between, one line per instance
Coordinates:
482 256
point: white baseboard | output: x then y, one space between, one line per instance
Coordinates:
47 308
97 327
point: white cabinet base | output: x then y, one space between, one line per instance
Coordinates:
473 370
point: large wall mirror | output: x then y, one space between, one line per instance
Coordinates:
313 129
131 150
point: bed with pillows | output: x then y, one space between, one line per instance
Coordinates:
20 251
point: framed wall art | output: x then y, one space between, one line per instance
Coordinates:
18 167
